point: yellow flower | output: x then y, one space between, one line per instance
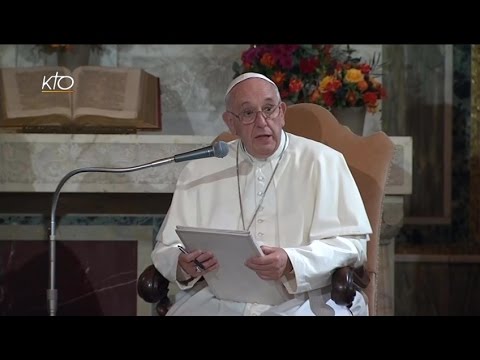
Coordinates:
324 83
353 76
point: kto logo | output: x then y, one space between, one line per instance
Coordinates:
57 83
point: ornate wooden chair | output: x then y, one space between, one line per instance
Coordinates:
369 159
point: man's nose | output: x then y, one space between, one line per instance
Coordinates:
260 119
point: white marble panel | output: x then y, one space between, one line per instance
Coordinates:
37 162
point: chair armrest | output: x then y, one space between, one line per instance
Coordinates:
153 287
346 281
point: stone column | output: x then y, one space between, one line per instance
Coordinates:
392 221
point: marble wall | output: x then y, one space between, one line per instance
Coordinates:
193 78
87 285
37 162
98 261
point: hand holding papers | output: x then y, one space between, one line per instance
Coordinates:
199 265
233 280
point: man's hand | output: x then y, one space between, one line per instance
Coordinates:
206 258
273 265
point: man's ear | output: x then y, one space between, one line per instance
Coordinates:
227 119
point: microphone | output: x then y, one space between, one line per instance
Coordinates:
218 149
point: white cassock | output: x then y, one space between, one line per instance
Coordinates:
312 209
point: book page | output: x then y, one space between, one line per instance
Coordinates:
106 92
31 92
233 280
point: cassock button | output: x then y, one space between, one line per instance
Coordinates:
260 234
259 193
260 221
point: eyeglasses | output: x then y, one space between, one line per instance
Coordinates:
248 116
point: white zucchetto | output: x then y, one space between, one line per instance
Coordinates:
246 76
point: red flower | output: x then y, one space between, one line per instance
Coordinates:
328 98
370 98
295 86
308 66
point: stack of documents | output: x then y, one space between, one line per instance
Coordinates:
233 280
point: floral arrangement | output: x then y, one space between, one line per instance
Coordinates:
294 68
315 73
350 83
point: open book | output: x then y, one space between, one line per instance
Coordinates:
233 280
92 96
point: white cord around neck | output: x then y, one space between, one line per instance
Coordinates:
268 184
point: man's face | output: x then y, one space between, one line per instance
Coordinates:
261 137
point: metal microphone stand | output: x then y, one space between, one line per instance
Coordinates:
52 292
219 149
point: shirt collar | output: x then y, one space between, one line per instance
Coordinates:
275 155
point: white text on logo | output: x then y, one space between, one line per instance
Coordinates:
57 83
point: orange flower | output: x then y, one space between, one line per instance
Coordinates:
362 85
267 60
278 77
315 96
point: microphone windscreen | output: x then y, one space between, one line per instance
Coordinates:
220 149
